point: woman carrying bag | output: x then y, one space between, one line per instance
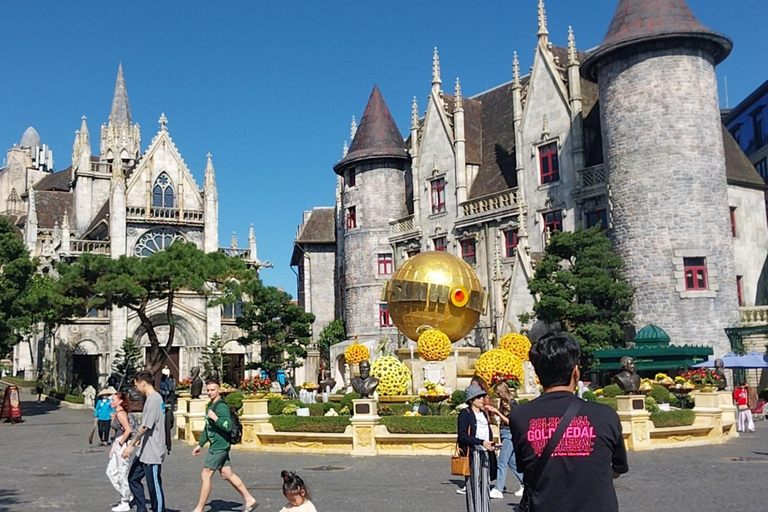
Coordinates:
474 436
507 402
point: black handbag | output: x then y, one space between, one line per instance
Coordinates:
526 502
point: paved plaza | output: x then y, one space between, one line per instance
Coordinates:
47 464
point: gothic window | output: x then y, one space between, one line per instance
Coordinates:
233 310
510 243
441 244
385 264
597 217
549 165
155 241
695 273
468 251
162 192
351 181
437 188
553 221
351 217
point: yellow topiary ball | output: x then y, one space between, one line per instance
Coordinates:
434 345
518 344
394 377
498 361
356 353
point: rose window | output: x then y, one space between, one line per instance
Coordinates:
155 241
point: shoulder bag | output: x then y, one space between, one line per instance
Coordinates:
459 462
526 503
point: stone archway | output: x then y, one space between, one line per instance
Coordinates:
187 343
235 354
87 360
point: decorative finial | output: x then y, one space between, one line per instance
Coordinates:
572 56
414 114
497 274
344 150
353 129
459 104
208 156
163 121
543 32
434 162
436 68
515 70
544 127
234 241
65 221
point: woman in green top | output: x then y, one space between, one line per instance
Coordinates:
218 424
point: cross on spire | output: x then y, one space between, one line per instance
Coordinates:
163 121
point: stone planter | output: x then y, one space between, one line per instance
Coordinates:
255 407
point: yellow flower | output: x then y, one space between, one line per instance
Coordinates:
434 345
498 361
356 353
518 344
394 377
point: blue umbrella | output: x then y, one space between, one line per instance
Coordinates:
731 360
754 360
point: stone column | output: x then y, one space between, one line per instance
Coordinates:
709 414
195 419
255 419
182 408
728 413
311 365
635 420
366 424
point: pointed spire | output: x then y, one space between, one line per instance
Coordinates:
543 32
353 129
85 137
414 114
436 70
233 245
458 105
121 109
252 243
65 221
32 211
163 122
210 175
515 71
573 59
344 150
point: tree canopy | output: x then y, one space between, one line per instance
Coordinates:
579 283
94 281
282 329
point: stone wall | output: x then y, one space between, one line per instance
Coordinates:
751 241
664 151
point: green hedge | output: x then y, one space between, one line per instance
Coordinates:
332 424
612 390
420 424
79 399
681 418
610 402
20 382
660 394
234 399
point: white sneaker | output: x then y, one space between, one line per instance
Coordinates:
496 494
124 506
462 490
520 491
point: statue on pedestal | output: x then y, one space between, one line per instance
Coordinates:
720 372
196 388
628 379
365 385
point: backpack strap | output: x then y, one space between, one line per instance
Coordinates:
570 413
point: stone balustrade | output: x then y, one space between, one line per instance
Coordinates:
236 252
404 225
77 247
492 203
164 215
593 176
753 315
102 167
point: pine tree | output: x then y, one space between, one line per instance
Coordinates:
128 361
214 358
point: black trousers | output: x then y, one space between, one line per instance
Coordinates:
104 430
152 474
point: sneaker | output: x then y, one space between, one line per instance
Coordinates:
462 490
496 494
122 507
519 492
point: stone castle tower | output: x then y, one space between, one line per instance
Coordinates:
372 194
663 146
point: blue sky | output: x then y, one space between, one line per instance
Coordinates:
269 88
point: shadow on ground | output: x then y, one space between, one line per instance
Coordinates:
8 498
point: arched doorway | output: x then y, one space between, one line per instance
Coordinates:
185 352
85 364
235 354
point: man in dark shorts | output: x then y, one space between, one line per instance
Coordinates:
578 477
218 424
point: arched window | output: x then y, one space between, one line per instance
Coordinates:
155 241
162 192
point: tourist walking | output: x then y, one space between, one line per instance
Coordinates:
296 493
151 434
168 392
507 402
474 433
569 450
218 425
102 413
39 388
117 470
741 397
479 382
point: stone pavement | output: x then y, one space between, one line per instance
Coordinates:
47 464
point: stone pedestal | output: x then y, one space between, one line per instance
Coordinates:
635 420
461 362
311 366
728 412
195 418
255 419
366 423
182 408
708 413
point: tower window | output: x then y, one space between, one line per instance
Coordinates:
738 291
384 319
762 169
468 251
510 242
733 221
548 163
553 221
385 264
351 217
351 177
437 188
162 192
695 270
597 217
441 244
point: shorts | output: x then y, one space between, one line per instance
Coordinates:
217 460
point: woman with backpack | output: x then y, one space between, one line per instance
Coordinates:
124 424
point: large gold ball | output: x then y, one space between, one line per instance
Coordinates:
435 289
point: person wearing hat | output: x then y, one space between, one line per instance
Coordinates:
103 412
474 432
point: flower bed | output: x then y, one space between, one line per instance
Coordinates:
682 418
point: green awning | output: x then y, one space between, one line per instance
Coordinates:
652 357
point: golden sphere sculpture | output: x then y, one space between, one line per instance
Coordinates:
438 290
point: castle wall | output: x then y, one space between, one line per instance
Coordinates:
751 241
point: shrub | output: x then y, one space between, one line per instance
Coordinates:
660 394
674 401
681 418
610 402
523 401
420 424
612 390
651 405
590 396
275 406
458 397
327 406
331 424
346 401
290 410
234 400
74 399
386 410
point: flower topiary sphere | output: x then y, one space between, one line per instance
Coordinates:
356 353
518 344
434 345
498 361
394 377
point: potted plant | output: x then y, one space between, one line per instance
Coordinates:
254 387
704 380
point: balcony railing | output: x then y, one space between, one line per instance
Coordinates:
491 203
102 167
753 315
139 213
593 176
235 252
92 246
403 225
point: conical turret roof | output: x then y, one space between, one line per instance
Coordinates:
30 138
377 135
661 22
121 109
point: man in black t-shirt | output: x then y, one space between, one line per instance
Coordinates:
579 474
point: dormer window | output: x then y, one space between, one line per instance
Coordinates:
162 192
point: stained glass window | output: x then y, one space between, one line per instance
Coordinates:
162 192
155 241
